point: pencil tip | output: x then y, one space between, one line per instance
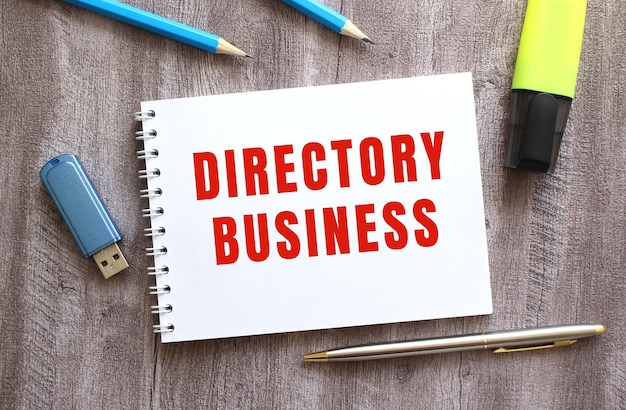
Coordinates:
248 55
350 30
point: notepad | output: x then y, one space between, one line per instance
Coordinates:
314 208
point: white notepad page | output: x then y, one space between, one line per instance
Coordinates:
368 194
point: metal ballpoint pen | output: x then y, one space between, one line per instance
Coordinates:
503 341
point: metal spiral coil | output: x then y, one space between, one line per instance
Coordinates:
160 289
147 153
150 193
158 231
167 328
144 115
158 270
153 212
161 250
149 173
150 212
161 309
145 135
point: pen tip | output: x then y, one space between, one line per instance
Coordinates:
599 330
316 357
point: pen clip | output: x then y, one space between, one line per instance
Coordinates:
558 343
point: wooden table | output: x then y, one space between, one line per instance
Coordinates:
70 80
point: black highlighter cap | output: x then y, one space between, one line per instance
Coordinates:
536 129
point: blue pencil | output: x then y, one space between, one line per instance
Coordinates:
328 17
160 25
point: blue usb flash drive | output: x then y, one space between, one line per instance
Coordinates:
84 213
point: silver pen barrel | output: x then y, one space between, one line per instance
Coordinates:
521 339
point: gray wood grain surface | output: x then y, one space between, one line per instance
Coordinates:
69 82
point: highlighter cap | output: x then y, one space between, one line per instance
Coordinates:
544 82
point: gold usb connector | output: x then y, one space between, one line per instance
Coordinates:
110 260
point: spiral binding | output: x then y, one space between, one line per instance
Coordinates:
145 135
160 289
148 173
153 213
143 115
161 309
158 231
145 154
150 193
163 328
158 270
161 250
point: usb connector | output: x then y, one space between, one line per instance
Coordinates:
110 260
84 213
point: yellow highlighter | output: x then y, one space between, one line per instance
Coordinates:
544 82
